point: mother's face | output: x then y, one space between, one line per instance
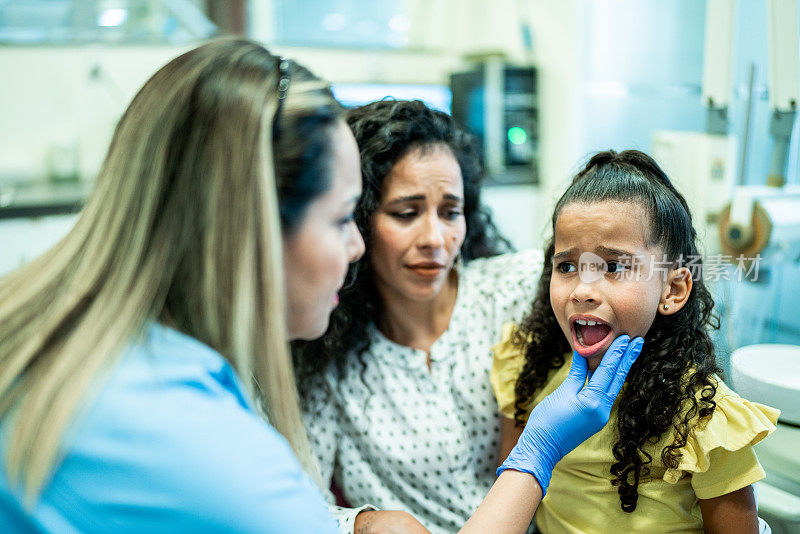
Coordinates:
316 255
420 226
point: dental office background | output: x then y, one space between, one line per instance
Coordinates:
543 83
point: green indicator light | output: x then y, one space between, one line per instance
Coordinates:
517 135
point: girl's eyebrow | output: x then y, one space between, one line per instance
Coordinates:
606 251
614 252
563 254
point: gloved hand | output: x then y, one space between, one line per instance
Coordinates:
572 413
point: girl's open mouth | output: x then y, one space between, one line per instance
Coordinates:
589 336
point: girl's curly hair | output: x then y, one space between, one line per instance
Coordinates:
678 358
386 131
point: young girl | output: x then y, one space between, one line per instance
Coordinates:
677 452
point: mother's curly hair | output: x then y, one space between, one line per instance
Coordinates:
386 131
678 358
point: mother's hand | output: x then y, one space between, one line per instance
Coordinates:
388 522
572 413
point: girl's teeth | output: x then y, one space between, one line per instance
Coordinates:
583 322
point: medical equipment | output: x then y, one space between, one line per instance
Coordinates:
757 227
762 221
770 374
497 103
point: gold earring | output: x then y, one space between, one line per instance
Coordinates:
666 307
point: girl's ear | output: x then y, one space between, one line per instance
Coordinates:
676 292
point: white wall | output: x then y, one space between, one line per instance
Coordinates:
66 96
59 96
21 240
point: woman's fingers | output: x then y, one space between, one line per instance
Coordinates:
577 374
631 353
605 373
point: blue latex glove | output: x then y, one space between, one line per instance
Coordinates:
572 413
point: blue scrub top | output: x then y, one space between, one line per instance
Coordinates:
170 444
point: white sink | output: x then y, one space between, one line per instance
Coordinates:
769 374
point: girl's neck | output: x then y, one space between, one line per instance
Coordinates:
419 324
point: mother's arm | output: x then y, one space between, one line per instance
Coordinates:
322 425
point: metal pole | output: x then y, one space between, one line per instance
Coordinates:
746 133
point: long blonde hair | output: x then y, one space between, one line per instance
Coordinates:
183 228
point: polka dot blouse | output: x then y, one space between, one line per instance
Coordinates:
425 441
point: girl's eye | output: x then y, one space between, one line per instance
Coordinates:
618 270
616 267
565 267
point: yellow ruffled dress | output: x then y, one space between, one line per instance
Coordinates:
718 458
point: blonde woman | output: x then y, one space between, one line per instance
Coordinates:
132 353
140 356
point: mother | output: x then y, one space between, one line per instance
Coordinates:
404 416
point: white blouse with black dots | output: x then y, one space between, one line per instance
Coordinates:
424 441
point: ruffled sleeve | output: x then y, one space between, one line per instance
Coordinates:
509 358
718 453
